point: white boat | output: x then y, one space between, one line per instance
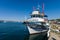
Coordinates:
38 23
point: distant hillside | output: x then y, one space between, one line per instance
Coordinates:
55 20
58 20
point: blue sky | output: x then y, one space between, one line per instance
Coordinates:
18 9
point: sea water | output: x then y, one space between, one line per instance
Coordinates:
16 31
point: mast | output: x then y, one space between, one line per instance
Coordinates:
43 9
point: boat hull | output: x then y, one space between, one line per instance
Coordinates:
34 31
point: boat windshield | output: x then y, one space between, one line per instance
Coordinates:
42 23
38 23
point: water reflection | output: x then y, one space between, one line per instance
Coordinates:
35 37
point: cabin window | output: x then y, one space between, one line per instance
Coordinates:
33 16
36 16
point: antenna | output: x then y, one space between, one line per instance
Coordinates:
38 6
43 8
34 8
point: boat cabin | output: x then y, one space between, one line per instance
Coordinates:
37 14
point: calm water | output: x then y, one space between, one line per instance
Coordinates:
16 31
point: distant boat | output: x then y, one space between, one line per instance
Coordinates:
4 21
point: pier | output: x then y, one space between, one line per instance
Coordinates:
55 32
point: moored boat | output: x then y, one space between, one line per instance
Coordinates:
38 23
